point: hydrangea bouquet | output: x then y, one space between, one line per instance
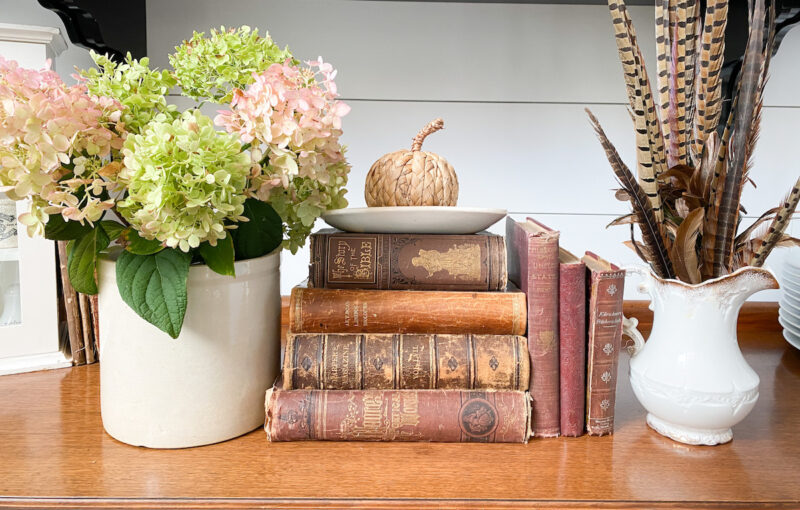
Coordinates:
109 161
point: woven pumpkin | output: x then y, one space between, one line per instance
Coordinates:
412 177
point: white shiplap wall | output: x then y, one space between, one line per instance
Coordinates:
511 82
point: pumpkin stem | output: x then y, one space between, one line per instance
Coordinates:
432 127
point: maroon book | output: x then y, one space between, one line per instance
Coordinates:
572 342
533 266
605 286
450 416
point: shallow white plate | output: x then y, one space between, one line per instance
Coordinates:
790 315
789 321
791 294
793 339
414 220
791 277
792 306
787 326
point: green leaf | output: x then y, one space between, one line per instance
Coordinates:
138 245
58 229
154 286
112 228
259 236
220 257
82 260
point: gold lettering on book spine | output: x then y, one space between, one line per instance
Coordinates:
462 261
405 413
365 421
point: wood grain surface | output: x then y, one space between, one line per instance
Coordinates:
54 453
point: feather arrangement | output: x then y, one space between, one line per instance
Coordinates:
686 194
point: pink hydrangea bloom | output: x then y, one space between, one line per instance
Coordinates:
45 125
292 119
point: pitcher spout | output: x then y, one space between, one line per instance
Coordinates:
743 283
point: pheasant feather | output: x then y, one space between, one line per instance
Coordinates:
664 67
634 79
680 77
728 218
777 227
645 216
708 97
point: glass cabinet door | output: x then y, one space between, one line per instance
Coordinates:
10 304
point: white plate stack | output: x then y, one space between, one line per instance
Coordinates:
789 314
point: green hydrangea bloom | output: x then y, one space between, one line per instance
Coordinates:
184 180
140 89
209 68
305 200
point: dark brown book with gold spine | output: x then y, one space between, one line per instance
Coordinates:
342 260
449 416
383 361
406 311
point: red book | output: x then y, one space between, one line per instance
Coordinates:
450 416
533 266
572 342
606 285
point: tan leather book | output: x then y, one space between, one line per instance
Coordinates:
406 311
450 416
340 361
342 260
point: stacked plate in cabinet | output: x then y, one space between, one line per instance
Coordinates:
789 314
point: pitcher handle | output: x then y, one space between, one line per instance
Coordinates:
629 329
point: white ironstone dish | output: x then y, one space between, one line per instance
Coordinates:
791 294
789 321
792 305
789 330
791 274
791 310
414 220
792 338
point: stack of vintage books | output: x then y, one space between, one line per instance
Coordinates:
404 337
470 338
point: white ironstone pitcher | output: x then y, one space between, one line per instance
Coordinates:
690 375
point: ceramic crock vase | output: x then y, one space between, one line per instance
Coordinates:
207 385
690 375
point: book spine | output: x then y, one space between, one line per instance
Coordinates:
542 291
572 347
343 260
398 415
407 362
605 337
407 311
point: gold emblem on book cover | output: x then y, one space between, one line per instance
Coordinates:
462 261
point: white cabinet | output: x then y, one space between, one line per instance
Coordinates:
28 292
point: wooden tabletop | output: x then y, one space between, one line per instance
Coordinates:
53 452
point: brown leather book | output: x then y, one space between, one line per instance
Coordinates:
449 416
342 260
408 362
572 342
606 284
406 311
533 266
